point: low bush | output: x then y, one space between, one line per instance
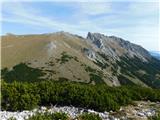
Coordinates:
49 116
89 116
100 97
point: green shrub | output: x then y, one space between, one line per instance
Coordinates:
96 78
18 96
89 116
89 69
100 97
124 80
23 73
101 64
12 118
49 116
152 68
65 57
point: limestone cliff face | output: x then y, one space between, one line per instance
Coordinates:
115 47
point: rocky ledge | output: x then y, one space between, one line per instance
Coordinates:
140 110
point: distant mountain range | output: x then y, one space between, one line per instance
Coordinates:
155 54
96 59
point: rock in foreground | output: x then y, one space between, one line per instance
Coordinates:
139 111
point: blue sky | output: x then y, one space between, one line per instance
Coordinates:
135 21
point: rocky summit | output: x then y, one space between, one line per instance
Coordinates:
63 56
114 47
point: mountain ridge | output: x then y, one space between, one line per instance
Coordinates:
95 59
99 40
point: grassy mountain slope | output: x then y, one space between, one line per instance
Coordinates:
64 56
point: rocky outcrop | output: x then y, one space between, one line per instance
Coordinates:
115 47
89 53
96 38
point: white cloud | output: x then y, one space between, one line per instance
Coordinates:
18 14
95 8
144 8
139 23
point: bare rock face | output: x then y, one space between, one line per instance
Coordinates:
125 61
89 53
97 39
133 49
115 47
